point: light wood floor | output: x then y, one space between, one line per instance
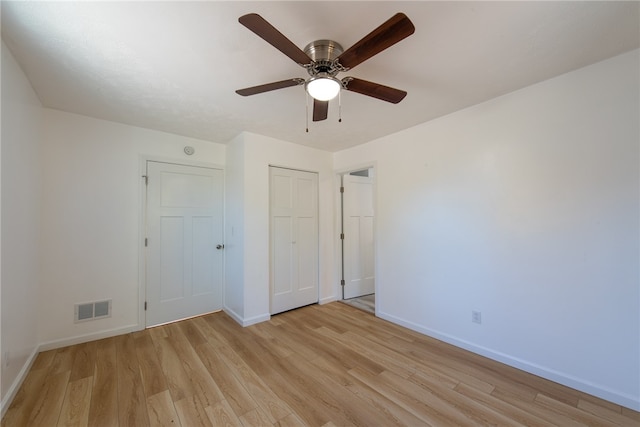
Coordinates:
329 365
366 303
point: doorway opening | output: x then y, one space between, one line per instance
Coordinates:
358 238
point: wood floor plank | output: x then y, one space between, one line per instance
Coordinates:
445 397
176 378
379 358
345 406
255 418
293 386
540 411
213 337
290 420
153 380
201 382
329 365
221 415
84 361
394 414
244 357
577 415
315 343
264 396
46 410
44 360
231 386
77 400
513 412
63 359
412 404
161 410
630 414
132 407
190 330
607 414
103 411
22 406
192 413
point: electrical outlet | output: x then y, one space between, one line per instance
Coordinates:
476 317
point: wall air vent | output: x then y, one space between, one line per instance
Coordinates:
92 310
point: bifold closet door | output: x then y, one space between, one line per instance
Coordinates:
294 238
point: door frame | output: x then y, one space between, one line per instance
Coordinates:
142 224
338 174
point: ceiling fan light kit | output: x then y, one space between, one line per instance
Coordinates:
323 85
324 59
323 88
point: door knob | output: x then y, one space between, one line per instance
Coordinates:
220 247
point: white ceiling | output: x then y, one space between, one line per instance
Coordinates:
174 66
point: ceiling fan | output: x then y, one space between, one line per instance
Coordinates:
324 59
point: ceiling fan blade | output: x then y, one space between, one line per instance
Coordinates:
374 90
269 86
275 38
396 28
320 110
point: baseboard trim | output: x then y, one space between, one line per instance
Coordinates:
256 319
248 321
235 316
327 300
628 401
13 390
79 339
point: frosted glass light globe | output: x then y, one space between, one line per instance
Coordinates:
323 88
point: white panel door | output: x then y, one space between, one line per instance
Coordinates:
294 238
359 266
184 229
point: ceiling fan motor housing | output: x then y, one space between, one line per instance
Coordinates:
323 54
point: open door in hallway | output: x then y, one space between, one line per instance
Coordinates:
358 215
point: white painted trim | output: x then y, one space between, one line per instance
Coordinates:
79 339
13 390
246 322
327 300
256 319
179 161
235 316
142 231
623 399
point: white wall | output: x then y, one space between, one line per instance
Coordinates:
20 231
525 208
257 153
234 230
91 219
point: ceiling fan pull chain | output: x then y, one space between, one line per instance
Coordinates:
340 107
